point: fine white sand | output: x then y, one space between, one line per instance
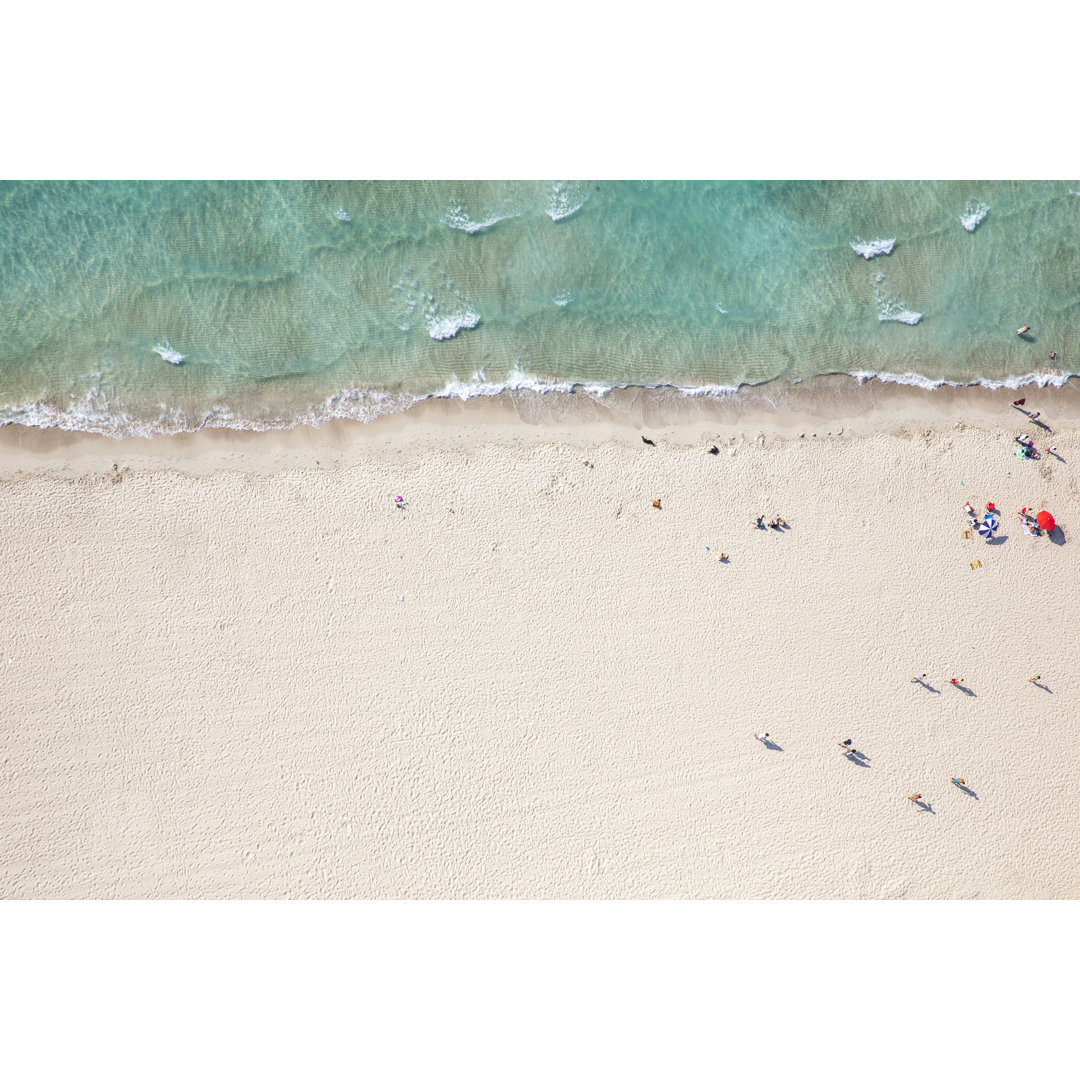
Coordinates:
228 671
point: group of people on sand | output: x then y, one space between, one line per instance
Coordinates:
848 750
778 523
1027 518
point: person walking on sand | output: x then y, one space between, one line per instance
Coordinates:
1035 678
959 781
1051 449
1034 416
956 682
761 522
914 798
1018 402
918 678
762 736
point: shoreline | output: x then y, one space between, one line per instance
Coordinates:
784 410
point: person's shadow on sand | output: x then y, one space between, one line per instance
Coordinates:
966 790
1043 686
965 690
1057 536
923 805
770 745
857 759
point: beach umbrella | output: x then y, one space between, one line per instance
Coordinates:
1045 520
988 527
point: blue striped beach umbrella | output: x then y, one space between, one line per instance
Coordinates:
989 526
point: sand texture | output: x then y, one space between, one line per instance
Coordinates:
270 682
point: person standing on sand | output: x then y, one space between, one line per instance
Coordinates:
1018 402
1035 678
956 682
762 736
914 798
959 781
1034 416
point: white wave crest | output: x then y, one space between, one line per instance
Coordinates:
342 214
167 352
441 327
458 218
1039 379
895 311
720 307
566 198
974 212
92 410
444 312
870 249
563 299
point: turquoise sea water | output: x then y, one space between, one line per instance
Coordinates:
295 302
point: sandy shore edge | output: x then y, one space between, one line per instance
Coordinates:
827 406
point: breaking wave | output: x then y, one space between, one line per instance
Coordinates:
870 249
92 411
566 198
973 213
167 352
895 311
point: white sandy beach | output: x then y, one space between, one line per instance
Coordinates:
230 667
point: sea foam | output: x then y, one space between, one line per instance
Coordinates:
566 198
444 312
441 326
895 311
342 214
91 410
167 352
974 212
458 218
869 249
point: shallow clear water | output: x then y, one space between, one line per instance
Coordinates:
294 302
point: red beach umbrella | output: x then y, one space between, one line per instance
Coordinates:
1045 520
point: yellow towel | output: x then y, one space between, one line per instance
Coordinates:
976 564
